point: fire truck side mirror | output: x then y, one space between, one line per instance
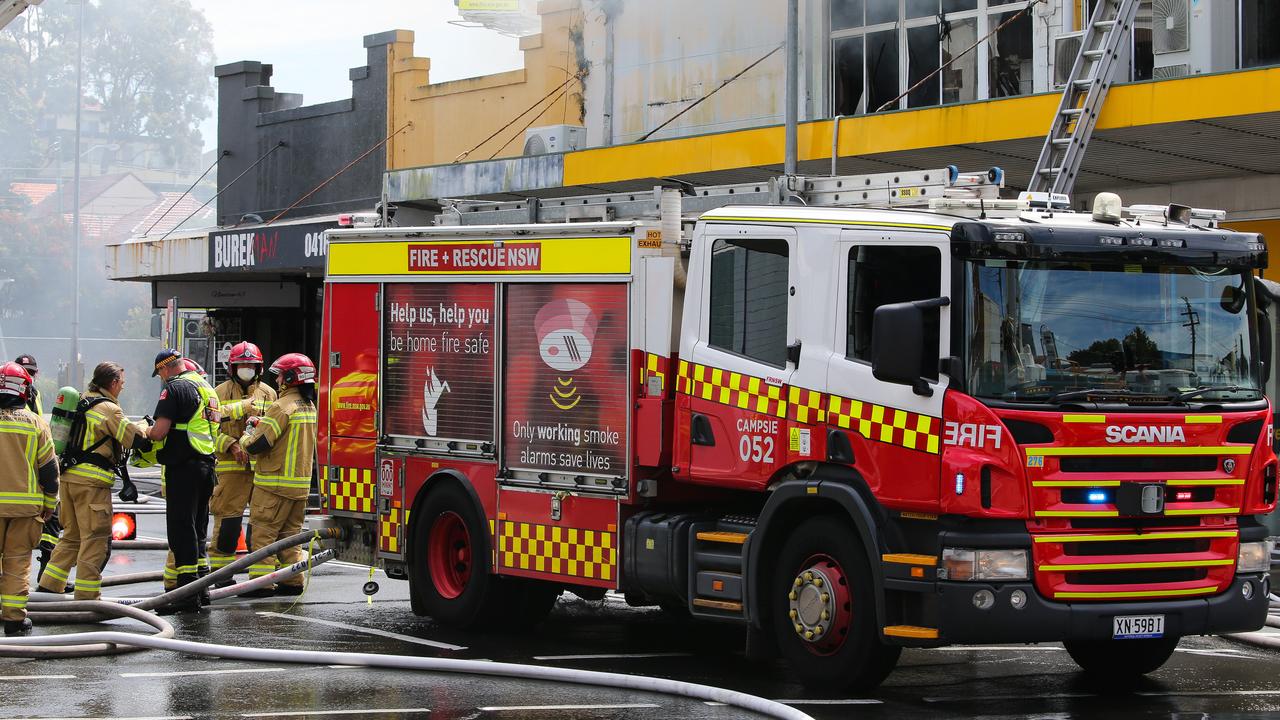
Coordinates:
898 350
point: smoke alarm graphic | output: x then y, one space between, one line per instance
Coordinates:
566 331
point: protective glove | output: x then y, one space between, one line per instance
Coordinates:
129 491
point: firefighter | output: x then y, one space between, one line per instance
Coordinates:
240 397
89 472
52 526
28 363
283 444
187 419
29 487
196 374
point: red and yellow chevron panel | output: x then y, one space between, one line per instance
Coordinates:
744 392
353 491
575 552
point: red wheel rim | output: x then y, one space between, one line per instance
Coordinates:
449 555
820 605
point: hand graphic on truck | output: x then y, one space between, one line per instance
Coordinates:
432 390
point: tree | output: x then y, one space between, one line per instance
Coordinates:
1135 350
148 64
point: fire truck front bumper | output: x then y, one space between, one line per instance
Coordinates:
1017 613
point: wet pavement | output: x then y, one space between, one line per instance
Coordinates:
1206 677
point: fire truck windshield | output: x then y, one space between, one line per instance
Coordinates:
1040 331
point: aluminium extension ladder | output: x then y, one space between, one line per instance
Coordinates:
1102 46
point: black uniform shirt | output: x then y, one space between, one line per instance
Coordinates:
178 401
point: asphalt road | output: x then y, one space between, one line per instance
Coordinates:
1206 677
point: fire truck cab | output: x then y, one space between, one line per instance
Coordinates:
849 430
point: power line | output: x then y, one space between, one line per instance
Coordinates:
718 88
526 111
345 168
279 144
186 192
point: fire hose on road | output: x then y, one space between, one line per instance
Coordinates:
48 609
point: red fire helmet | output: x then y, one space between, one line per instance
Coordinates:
14 380
245 353
294 369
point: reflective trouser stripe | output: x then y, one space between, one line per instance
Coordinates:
217 562
93 472
170 573
47 538
89 585
259 570
18 602
55 572
187 569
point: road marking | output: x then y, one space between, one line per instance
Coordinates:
627 706
1206 693
343 563
837 701
184 673
7 678
309 713
612 656
1008 648
964 698
367 631
1220 652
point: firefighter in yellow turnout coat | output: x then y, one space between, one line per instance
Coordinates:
28 492
283 444
86 487
242 396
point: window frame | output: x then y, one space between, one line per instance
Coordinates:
850 242
986 14
779 236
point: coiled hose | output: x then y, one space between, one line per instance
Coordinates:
114 642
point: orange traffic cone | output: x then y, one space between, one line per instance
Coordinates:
241 546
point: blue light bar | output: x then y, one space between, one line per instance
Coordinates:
1097 496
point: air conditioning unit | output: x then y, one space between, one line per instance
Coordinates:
1189 38
1065 50
553 139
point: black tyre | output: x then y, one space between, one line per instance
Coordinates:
1120 660
822 609
450 559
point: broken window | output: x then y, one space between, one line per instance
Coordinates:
1009 55
922 62
960 79
1260 33
882 68
846 58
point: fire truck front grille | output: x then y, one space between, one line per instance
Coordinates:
1139 464
1133 559
1136 547
1137 577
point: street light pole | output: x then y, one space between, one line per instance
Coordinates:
76 376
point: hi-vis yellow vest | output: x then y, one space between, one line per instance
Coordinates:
203 425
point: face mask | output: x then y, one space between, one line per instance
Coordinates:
246 374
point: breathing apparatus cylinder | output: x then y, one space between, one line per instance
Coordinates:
60 417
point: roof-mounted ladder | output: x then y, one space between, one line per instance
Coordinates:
909 188
1101 48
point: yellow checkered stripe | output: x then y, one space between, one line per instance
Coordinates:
389 530
885 424
353 491
744 392
656 366
874 422
591 554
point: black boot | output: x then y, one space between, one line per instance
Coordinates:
291 590
187 604
263 592
17 627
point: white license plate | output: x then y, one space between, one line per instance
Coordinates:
1128 627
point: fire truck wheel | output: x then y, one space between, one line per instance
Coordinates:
450 566
823 610
1121 659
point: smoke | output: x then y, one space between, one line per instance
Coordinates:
138 150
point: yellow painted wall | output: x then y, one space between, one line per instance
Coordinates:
1193 98
451 118
1270 230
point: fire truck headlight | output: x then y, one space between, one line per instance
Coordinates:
985 565
1254 557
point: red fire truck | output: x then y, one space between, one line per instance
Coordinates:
850 430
